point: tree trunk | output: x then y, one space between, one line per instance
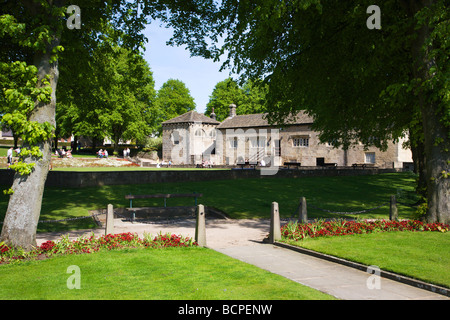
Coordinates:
75 144
55 141
418 153
436 143
436 166
117 133
24 208
16 140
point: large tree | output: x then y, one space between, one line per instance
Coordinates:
225 92
361 84
124 92
249 98
32 33
173 99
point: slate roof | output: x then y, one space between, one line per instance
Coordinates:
191 117
258 120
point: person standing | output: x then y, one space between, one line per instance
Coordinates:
9 155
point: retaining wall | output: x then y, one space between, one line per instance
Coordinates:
92 179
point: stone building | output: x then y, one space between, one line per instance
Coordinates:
189 138
192 138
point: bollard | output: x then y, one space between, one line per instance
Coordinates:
275 228
109 220
303 212
393 212
200 226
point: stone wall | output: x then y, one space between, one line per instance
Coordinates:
66 179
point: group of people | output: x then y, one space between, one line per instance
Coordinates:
62 153
102 153
206 164
126 152
168 164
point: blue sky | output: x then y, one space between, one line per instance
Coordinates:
198 74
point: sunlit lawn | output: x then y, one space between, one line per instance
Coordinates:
205 274
420 255
241 198
157 274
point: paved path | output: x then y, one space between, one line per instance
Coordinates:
337 280
242 240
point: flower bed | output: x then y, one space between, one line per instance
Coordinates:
91 244
91 162
299 231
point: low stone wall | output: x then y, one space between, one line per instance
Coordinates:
92 179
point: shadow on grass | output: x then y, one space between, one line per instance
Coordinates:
239 199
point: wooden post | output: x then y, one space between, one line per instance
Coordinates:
109 220
275 228
200 227
303 212
393 212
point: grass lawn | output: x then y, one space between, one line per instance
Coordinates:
420 255
241 198
198 273
160 274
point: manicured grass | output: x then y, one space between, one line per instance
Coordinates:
241 198
171 273
420 255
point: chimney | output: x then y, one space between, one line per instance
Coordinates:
232 110
212 115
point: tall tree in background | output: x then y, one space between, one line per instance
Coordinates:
124 91
225 92
250 98
359 83
32 33
253 98
173 99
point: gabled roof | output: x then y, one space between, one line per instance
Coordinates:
259 120
191 117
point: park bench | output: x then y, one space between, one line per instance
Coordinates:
246 163
363 165
194 195
329 164
288 164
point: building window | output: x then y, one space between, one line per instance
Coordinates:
332 143
200 133
300 142
176 137
370 157
234 143
258 142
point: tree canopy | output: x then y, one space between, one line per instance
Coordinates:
34 35
360 84
173 99
249 98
